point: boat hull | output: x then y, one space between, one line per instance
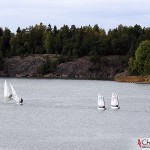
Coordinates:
115 108
101 108
19 103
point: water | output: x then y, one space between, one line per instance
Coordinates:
63 115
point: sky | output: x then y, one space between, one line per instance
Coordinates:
108 14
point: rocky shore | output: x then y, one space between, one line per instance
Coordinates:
81 68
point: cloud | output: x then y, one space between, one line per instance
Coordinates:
107 13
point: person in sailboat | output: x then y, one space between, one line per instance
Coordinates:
101 106
21 101
10 96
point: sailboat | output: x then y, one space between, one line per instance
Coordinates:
114 102
101 102
15 96
7 92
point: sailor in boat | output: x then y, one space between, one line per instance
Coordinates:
10 96
21 101
102 107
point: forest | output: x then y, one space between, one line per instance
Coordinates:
75 42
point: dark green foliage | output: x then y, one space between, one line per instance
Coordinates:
48 66
1 63
74 42
147 65
141 63
4 42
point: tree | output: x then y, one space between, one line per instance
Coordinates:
1 44
1 32
147 65
36 37
142 58
1 63
5 42
55 31
49 42
13 44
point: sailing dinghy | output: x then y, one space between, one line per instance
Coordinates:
7 92
114 102
18 100
101 102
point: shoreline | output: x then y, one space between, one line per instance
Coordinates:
133 79
126 79
63 78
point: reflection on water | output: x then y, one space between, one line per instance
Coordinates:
62 114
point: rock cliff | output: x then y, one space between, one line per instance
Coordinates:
81 68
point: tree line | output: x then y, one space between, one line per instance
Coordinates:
73 42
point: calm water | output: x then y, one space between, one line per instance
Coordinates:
63 115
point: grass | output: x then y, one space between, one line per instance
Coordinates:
135 79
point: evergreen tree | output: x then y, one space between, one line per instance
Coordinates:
5 42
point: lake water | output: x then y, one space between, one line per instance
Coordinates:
63 115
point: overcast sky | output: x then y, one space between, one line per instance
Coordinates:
108 14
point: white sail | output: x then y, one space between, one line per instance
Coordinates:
15 96
7 92
100 101
114 100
